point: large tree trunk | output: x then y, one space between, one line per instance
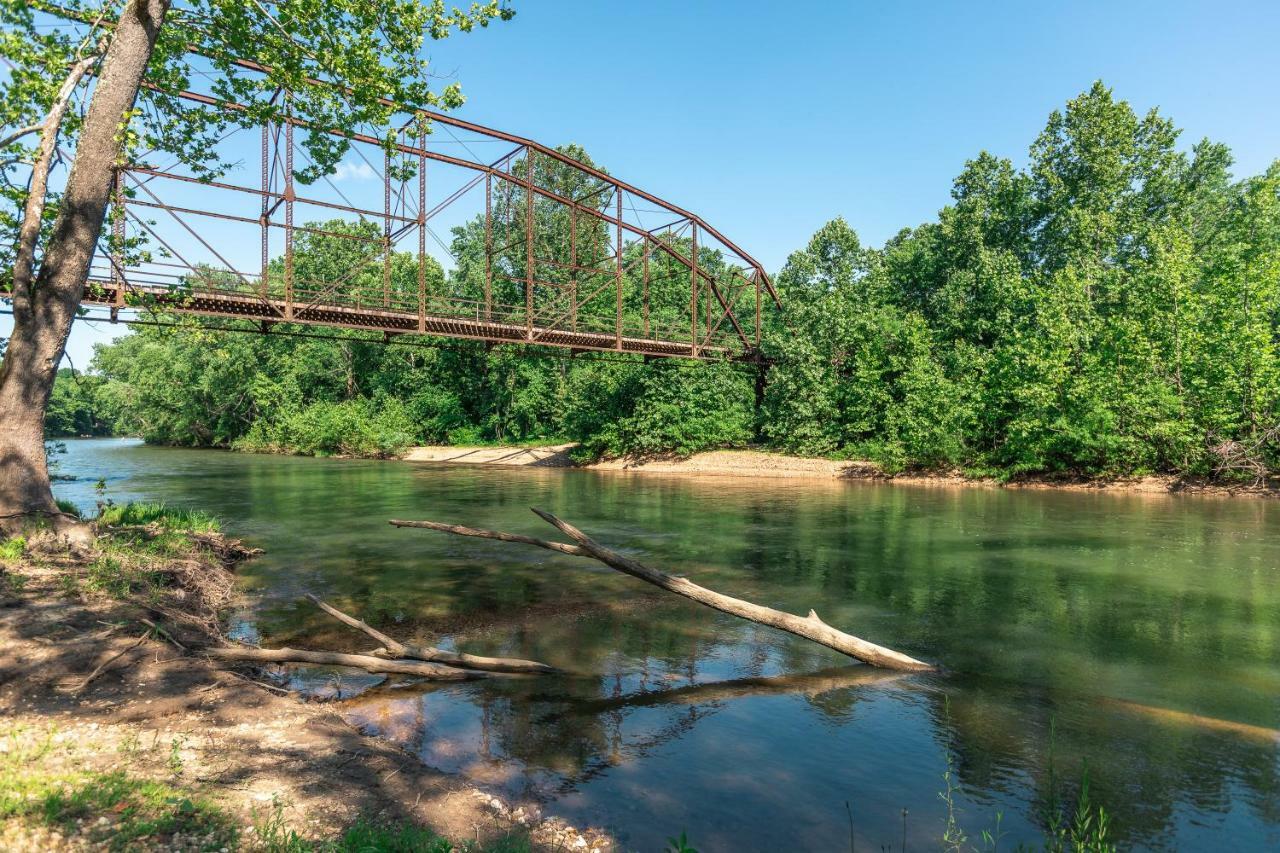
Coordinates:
43 313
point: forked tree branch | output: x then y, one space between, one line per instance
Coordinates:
394 649
810 627
33 211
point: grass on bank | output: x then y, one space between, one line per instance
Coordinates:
144 552
136 557
142 513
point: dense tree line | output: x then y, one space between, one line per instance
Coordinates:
75 409
1111 307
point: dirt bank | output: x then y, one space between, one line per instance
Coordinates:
552 455
118 734
756 463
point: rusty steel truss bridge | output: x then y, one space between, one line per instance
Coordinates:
543 249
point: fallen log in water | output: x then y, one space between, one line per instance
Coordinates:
1170 715
431 671
394 649
810 627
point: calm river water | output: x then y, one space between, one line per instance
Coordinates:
1137 636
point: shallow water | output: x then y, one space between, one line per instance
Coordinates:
1139 635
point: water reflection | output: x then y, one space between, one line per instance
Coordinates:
1124 623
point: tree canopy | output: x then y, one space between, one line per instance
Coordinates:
1109 308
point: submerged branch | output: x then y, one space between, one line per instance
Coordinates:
394 649
808 683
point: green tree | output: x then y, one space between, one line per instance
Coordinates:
337 60
668 407
1110 309
74 408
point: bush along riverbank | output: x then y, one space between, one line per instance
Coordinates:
118 734
1107 311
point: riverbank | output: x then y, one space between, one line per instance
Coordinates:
763 464
118 734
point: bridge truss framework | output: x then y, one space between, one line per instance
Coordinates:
611 288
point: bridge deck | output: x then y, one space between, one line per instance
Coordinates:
212 303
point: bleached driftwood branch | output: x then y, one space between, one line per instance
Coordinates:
431 671
810 627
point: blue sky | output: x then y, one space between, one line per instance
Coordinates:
768 119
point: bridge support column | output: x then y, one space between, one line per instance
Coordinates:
617 322
422 231
528 243
488 246
693 293
288 221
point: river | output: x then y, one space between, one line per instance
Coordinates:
1135 638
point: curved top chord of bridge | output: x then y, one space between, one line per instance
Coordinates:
544 249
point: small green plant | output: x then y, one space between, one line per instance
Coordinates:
109 576
991 837
69 582
130 745
680 845
272 833
11 550
1087 828
367 835
68 507
953 837
12 582
174 760
100 489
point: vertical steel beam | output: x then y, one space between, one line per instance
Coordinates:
644 302
264 218
288 221
707 312
386 229
756 277
693 293
488 246
573 268
617 321
528 243
422 233
117 250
